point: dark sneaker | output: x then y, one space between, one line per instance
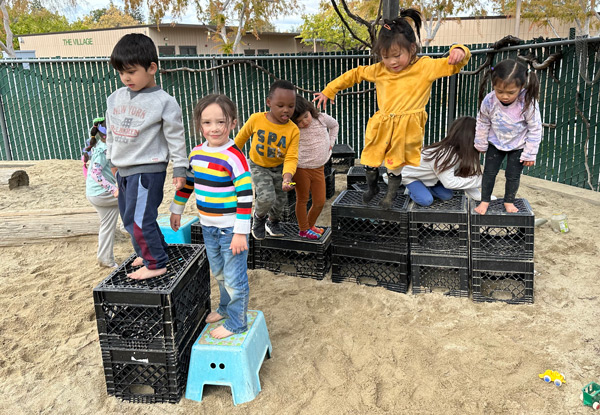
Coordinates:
258 228
274 229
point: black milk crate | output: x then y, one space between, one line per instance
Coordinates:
157 313
362 187
196 233
499 234
330 185
501 280
370 267
149 376
357 174
355 224
342 155
327 167
441 228
432 272
294 255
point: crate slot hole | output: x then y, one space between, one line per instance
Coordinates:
364 280
141 390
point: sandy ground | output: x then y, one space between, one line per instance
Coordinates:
337 348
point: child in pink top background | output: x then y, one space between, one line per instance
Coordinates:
318 133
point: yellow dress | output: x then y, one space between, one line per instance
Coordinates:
395 132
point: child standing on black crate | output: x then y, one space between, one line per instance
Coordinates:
318 133
145 131
450 164
509 126
403 80
273 157
221 179
102 192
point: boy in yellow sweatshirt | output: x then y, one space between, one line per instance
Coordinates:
273 157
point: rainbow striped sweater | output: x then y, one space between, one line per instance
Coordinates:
221 179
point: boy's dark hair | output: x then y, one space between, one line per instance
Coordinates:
227 106
133 49
303 105
457 148
283 84
510 71
399 32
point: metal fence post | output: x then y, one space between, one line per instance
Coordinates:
213 64
452 86
4 131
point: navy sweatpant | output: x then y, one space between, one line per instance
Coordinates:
140 195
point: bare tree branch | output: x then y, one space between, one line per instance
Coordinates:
337 10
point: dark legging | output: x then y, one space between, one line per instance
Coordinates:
514 167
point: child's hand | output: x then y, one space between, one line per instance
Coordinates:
456 55
287 180
238 243
179 182
114 171
527 163
321 100
175 221
116 193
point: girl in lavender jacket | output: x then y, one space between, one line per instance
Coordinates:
508 126
318 133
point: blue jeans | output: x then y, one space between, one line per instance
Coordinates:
423 195
231 273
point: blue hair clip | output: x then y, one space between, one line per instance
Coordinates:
492 68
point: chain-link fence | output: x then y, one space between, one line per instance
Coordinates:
48 105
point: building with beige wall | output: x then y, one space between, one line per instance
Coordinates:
186 39
489 29
180 39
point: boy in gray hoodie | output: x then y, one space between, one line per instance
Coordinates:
144 131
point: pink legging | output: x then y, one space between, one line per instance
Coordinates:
309 181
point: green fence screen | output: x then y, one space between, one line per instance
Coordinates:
48 104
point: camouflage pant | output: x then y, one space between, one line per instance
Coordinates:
268 196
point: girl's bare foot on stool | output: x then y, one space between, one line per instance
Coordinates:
482 208
511 208
220 332
213 317
145 273
138 262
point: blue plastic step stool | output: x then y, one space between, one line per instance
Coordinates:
233 361
183 235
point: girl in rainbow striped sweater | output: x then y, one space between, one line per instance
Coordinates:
221 180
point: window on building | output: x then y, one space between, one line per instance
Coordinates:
187 50
263 51
249 52
166 50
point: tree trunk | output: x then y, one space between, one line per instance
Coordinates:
13 178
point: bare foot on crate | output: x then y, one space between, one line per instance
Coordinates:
511 208
482 208
145 273
220 333
213 317
138 262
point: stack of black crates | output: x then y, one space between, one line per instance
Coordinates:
357 175
439 246
370 244
502 253
147 328
342 156
292 254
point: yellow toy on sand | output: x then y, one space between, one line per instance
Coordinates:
552 376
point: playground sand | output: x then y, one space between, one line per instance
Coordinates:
337 348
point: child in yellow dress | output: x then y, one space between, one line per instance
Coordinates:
403 81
